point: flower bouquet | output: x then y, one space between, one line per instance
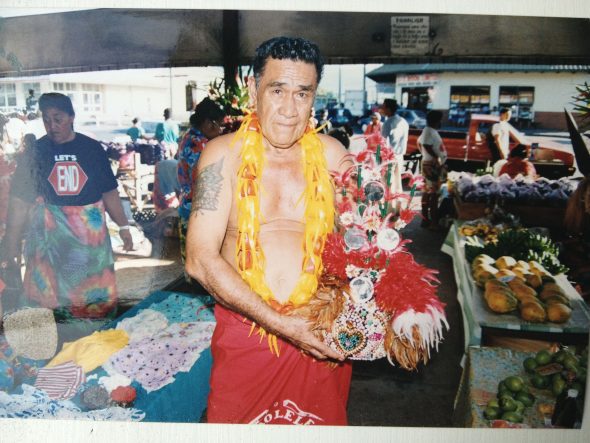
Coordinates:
373 299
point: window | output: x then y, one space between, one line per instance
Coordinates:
466 100
7 97
520 99
91 98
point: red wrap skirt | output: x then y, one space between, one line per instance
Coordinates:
251 385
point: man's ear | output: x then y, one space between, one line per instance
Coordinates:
252 91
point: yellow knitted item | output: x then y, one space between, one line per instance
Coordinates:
92 351
318 216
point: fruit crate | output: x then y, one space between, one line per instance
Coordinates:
469 210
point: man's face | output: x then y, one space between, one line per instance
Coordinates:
284 97
58 125
385 111
506 116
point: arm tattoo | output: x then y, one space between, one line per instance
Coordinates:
207 187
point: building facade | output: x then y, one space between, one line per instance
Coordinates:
537 94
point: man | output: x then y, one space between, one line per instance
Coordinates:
31 101
325 122
395 130
501 133
167 133
228 255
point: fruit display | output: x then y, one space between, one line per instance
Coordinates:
520 190
511 284
512 400
480 228
521 244
558 371
546 376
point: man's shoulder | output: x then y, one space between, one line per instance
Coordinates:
222 146
335 152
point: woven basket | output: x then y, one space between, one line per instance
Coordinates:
31 333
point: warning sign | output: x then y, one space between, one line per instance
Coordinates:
409 34
67 178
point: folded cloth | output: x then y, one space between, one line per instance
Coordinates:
60 382
31 332
92 351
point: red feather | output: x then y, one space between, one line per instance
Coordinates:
407 285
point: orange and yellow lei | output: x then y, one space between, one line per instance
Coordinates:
318 217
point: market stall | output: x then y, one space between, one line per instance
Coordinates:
157 368
479 321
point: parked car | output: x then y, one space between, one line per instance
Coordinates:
415 118
470 150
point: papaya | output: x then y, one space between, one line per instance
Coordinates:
558 313
533 312
505 262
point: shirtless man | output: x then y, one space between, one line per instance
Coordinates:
249 384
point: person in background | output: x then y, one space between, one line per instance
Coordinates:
167 133
518 163
205 124
136 131
60 192
341 135
325 122
434 157
31 101
501 134
374 125
575 253
395 131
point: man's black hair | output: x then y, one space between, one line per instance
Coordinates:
520 151
433 118
287 48
206 109
504 110
391 104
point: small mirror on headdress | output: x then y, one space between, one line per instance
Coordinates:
374 191
361 289
354 238
388 239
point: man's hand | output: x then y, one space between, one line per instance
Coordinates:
297 330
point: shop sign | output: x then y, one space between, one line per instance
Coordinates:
417 79
409 34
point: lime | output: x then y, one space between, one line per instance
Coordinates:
514 383
559 356
543 357
526 398
508 404
556 376
540 381
519 406
571 363
511 416
530 364
493 403
558 386
491 413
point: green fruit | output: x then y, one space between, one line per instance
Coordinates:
513 417
491 413
514 383
508 404
526 398
530 364
505 394
559 356
558 386
571 363
543 357
582 375
540 381
556 376
493 403
519 406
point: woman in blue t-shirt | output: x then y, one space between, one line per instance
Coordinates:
60 191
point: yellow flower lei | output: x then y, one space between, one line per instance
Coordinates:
318 216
